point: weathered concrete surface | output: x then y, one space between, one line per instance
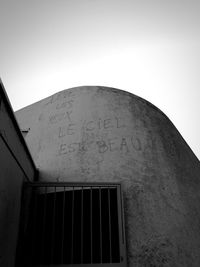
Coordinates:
15 167
104 134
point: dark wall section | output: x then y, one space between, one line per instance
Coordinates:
16 165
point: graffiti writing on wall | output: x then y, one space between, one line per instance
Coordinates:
121 144
90 126
103 135
63 108
64 95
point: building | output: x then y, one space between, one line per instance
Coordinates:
108 180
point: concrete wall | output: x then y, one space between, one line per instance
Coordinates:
16 166
104 134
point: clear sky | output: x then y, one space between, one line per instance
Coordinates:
150 48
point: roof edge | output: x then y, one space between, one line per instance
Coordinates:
15 123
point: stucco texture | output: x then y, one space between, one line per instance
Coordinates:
104 134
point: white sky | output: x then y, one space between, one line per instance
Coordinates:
150 48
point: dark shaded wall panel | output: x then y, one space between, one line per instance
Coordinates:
11 178
16 166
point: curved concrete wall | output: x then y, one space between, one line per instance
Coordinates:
104 134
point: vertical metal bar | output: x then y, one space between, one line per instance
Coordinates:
72 248
53 227
63 226
91 222
122 213
109 219
121 225
100 225
34 224
82 225
43 226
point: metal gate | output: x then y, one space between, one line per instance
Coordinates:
71 224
